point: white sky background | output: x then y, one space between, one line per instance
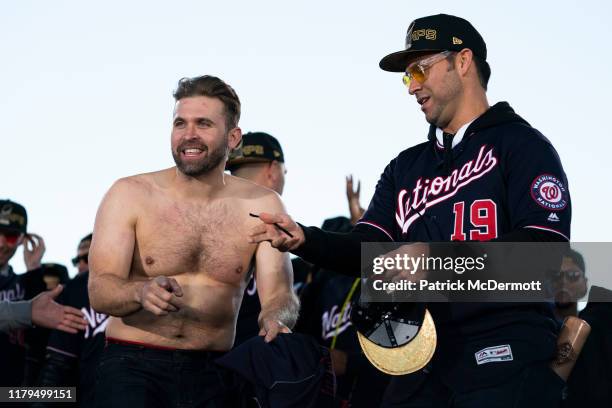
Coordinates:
86 95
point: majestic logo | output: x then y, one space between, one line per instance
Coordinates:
553 217
429 192
332 322
494 354
549 192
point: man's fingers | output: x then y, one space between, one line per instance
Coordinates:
265 235
279 242
271 218
53 293
74 322
272 333
163 304
72 311
176 288
163 282
154 309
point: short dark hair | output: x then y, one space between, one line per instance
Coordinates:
484 71
577 258
86 238
213 87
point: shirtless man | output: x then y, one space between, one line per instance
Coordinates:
169 262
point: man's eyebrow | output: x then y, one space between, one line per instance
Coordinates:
205 119
200 119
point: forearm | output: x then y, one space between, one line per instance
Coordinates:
283 308
340 252
115 296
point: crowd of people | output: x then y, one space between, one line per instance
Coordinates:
186 294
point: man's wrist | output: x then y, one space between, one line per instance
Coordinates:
137 291
33 266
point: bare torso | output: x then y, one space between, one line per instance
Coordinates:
202 244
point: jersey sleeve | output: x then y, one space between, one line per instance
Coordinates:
381 211
538 194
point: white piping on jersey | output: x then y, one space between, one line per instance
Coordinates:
377 226
546 229
474 169
457 138
62 352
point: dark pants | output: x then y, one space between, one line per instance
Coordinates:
536 386
136 376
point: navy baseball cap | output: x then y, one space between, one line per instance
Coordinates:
441 32
256 147
13 216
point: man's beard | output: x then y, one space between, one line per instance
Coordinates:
211 159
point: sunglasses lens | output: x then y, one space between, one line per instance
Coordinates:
406 80
11 237
79 258
417 74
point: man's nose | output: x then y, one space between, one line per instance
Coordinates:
191 131
414 86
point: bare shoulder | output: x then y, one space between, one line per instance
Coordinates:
258 197
140 185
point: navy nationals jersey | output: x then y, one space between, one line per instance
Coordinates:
505 176
505 182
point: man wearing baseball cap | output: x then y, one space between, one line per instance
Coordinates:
483 174
259 159
16 312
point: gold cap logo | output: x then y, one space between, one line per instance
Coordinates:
457 41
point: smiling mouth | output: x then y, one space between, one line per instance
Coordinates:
192 151
422 100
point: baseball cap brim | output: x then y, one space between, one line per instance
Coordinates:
12 229
407 358
398 61
230 165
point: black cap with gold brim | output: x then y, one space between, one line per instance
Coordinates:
397 338
256 147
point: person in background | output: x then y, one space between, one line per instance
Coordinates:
17 313
71 359
47 277
81 260
325 314
260 159
590 383
352 196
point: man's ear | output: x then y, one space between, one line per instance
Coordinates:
464 60
234 138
